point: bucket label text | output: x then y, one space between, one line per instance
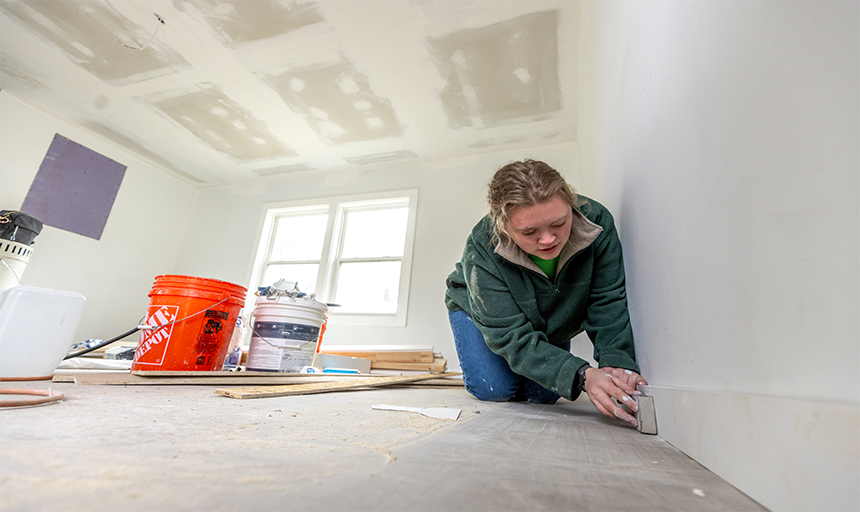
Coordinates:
210 335
286 331
221 315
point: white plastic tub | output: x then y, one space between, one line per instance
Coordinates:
37 328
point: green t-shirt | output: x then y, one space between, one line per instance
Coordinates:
548 266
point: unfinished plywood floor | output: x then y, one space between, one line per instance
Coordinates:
183 448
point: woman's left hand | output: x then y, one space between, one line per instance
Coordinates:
605 384
628 377
606 391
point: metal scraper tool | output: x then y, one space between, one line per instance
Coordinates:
646 417
442 413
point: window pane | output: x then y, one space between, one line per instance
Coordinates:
375 233
368 287
299 238
305 275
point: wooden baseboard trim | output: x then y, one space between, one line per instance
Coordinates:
787 454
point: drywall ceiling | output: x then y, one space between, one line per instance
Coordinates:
228 92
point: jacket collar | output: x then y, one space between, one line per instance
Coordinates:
583 233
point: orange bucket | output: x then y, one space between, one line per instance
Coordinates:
192 320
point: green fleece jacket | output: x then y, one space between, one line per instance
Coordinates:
526 317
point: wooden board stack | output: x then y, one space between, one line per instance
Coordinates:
393 357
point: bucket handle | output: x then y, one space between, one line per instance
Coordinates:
143 327
264 340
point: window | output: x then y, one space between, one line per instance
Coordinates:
352 251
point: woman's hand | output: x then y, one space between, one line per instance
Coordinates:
603 384
629 377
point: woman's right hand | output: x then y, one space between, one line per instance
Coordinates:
602 386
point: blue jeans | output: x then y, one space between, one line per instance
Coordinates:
488 376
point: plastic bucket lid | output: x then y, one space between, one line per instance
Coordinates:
194 319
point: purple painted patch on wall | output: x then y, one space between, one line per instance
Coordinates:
74 189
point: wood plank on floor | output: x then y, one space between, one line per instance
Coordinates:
325 387
96 378
125 379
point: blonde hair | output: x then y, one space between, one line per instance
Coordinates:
520 184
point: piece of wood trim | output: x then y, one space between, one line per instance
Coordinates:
226 377
95 378
438 365
125 379
325 387
239 375
446 382
378 348
390 357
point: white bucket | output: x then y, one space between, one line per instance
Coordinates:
285 333
37 328
15 256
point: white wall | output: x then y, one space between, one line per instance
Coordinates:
725 137
222 238
141 240
160 225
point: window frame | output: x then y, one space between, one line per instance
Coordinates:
337 208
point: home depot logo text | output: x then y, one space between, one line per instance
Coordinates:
154 340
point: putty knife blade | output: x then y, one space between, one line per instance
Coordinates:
646 417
